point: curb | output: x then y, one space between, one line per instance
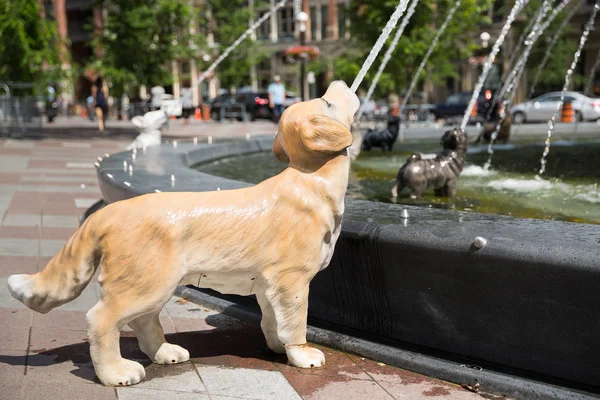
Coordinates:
487 380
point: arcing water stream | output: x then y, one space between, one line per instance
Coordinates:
239 40
385 33
588 26
514 77
388 54
517 7
550 46
429 51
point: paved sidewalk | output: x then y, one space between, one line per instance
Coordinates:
45 186
78 127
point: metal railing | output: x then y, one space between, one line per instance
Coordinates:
20 116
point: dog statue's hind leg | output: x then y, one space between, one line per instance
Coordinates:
290 306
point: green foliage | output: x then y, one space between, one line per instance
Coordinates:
231 18
28 44
140 39
553 75
368 17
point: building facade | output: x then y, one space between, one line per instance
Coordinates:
327 28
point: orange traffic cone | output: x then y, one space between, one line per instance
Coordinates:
567 114
474 110
197 115
84 113
172 117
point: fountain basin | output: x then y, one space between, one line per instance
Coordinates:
525 304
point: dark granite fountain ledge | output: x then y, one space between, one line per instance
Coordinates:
526 306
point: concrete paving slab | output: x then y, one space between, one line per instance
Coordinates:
60 221
246 383
134 393
18 247
11 219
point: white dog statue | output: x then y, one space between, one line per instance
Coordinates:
150 127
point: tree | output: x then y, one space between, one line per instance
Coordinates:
28 43
368 17
553 77
139 40
228 19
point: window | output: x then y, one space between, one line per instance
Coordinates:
185 67
286 22
453 99
313 23
549 99
342 20
324 21
264 30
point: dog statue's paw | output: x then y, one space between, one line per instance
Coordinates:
305 357
121 373
171 354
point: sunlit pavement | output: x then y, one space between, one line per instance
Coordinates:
45 187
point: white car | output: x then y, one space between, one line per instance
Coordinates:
542 108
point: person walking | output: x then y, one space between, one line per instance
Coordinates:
100 94
276 98
187 103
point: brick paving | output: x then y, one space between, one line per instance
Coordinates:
45 187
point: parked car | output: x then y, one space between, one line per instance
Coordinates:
543 107
368 109
256 102
257 105
291 98
456 104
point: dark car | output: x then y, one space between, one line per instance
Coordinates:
256 105
456 104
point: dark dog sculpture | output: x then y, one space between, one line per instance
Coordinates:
489 126
439 173
385 138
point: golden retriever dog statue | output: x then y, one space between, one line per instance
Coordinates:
269 240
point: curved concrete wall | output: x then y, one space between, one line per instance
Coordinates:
527 303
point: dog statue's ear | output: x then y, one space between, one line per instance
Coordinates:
278 150
327 135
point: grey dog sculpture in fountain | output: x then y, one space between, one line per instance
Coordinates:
439 173
268 240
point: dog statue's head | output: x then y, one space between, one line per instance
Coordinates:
151 121
317 129
454 139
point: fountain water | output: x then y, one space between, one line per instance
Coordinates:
429 51
239 40
531 38
586 31
550 46
388 54
514 77
385 33
517 7
590 82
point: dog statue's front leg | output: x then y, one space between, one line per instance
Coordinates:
290 306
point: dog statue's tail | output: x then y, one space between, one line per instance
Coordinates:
65 277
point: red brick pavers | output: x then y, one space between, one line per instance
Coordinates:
45 186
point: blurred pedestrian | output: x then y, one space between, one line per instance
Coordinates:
90 107
158 93
100 94
276 97
187 102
